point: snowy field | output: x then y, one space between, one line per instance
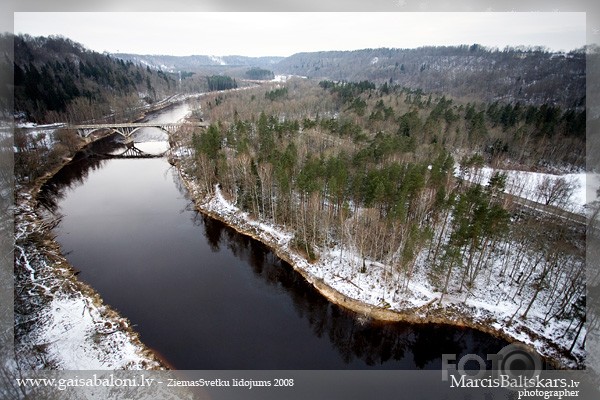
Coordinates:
527 185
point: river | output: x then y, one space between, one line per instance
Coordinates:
205 297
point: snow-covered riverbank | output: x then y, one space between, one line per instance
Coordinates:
60 322
375 295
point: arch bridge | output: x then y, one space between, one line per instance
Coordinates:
128 129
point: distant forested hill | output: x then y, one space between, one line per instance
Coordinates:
57 79
530 76
526 75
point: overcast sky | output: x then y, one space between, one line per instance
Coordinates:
283 34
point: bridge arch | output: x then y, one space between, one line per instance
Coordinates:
161 127
83 132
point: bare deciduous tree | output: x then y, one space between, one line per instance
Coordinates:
556 191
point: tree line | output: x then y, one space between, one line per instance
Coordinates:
257 73
220 82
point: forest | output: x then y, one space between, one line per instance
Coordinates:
259 74
391 174
58 80
219 82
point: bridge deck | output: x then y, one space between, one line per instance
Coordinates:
134 125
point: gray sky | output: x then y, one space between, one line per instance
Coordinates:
283 34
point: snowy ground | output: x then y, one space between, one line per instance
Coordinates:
78 337
285 78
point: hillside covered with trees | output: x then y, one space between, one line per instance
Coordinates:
197 63
528 75
56 79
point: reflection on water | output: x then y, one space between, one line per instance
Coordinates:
75 172
206 297
376 344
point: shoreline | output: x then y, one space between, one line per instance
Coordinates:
430 313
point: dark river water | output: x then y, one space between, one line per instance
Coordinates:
205 297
